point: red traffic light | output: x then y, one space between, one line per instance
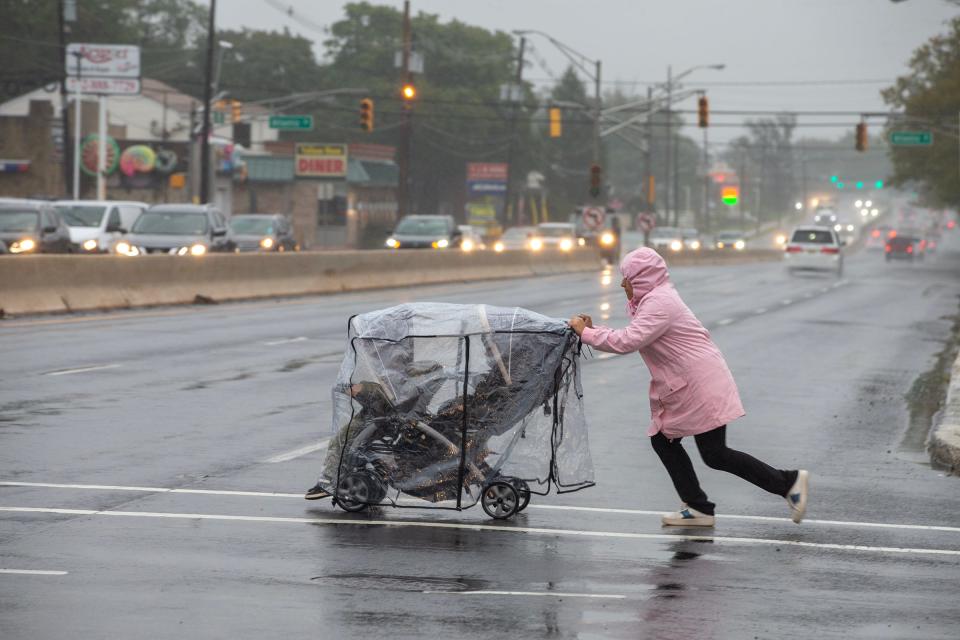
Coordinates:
703 112
596 180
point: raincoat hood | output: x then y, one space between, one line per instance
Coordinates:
645 270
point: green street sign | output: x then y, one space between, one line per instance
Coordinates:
291 122
911 138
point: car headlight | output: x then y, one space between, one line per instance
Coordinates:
90 245
126 249
850 227
467 245
498 246
393 243
267 243
607 239
23 246
442 243
582 242
193 250
874 212
838 227
676 245
536 244
739 245
780 239
566 244
720 245
695 245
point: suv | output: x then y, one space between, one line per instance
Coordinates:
179 229
262 232
32 226
97 225
814 248
425 232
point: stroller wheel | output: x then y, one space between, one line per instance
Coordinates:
500 500
523 491
355 491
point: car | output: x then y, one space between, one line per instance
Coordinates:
814 248
846 230
515 238
425 232
97 225
666 238
180 229
691 239
825 216
877 237
33 226
606 238
262 232
903 247
730 241
557 236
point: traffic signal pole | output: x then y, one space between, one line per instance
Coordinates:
403 195
668 203
596 116
508 212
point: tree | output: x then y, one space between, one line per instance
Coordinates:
568 158
766 156
929 97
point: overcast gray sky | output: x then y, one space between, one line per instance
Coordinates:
860 45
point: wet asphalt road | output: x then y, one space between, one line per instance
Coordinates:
224 405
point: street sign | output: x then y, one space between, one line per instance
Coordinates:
646 222
593 218
290 123
103 60
105 86
911 138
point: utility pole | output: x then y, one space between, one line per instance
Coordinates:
596 117
648 156
668 203
403 204
508 213
64 112
207 90
705 222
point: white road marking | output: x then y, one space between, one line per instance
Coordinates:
607 356
760 311
67 372
486 527
554 507
296 453
786 302
274 343
34 572
724 322
808 295
555 594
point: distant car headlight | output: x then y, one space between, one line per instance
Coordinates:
607 239
23 246
739 245
90 245
393 243
536 244
582 242
874 212
850 227
566 244
498 246
442 243
676 245
467 245
267 243
720 245
780 240
193 250
695 245
838 227
126 249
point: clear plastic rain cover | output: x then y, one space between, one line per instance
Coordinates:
435 401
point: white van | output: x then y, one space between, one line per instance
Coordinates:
96 225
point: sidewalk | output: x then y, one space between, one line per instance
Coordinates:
944 442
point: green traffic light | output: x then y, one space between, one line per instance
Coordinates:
730 200
833 178
859 185
839 185
878 184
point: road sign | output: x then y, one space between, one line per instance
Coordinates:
291 122
646 222
911 138
103 60
105 86
593 218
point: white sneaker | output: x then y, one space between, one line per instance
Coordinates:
687 517
797 496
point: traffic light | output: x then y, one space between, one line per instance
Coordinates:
556 126
596 180
366 115
408 91
861 137
236 108
703 112
730 195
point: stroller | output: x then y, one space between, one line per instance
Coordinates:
444 405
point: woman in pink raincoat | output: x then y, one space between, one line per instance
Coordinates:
692 392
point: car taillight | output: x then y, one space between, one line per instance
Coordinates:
888 248
951 224
830 250
793 249
876 233
892 234
910 249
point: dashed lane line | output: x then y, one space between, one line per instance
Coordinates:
297 453
273 343
67 372
399 524
34 572
545 507
555 594
724 322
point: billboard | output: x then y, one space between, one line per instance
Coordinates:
313 160
103 60
486 194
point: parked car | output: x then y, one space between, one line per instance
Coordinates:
97 225
425 232
666 239
32 226
555 236
515 238
903 247
730 241
179 229
262 232
814 248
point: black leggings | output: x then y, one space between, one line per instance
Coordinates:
717 455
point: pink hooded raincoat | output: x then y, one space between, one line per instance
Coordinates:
691 388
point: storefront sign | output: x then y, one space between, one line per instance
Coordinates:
320 160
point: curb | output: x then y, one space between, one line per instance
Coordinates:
944 444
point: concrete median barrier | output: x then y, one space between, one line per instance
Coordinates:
52 284
944 442
683 258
